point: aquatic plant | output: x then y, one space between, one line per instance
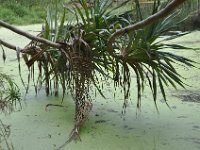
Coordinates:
100 44
10 96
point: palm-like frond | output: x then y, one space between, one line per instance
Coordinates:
145 55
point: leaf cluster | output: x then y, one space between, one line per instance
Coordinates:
85 59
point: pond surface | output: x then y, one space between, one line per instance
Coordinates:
33 128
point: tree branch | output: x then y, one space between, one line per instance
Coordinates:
26 50
162 13
8 45
29 36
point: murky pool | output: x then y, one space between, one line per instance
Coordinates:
33 128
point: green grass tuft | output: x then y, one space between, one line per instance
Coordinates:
21 15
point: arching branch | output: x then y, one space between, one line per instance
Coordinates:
162 13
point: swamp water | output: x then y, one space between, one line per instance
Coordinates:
33 128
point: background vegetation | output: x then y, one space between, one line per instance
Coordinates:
20 13
23 12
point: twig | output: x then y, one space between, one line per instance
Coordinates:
8 45
57 105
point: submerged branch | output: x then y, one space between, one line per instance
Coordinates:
151 19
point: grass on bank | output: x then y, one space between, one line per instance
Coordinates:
18 14
24 12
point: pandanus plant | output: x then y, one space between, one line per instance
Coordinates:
100 44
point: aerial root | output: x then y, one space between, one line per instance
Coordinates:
74 136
